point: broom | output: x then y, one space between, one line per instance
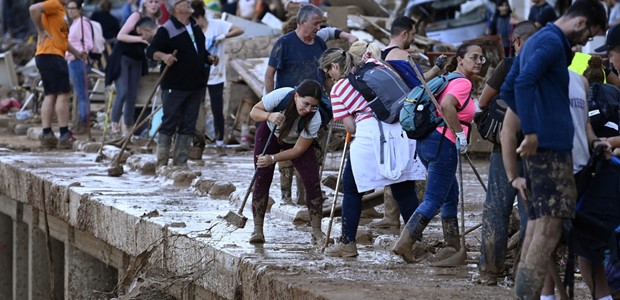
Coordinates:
237 218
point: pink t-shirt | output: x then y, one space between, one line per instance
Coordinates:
460 88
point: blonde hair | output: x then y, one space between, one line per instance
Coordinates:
345 60
360 48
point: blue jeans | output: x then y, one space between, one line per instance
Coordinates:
78 77
216 95
439 156
403 192
495 216
127 90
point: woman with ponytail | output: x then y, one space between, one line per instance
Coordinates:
439 153
364 171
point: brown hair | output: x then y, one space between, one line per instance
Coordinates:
460 52
595 72
306 88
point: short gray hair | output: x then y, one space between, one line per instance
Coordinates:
170 5
306 12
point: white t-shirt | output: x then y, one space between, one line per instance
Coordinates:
271 101
246 8
216 28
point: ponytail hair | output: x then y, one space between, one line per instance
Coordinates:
595 72
345 60
460 52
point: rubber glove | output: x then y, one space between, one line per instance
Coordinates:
461 142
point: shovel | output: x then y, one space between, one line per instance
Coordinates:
340 171
99 157
237 218
116 170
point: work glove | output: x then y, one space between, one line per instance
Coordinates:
461 142
441 61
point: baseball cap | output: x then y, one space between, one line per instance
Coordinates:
613 40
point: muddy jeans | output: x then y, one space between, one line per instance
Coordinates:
306 165
403 192
441 187
496 215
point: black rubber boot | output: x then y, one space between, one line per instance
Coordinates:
163 149
451 234
181 150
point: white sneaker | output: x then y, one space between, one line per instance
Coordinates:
340 249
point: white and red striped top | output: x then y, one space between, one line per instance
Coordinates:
347 101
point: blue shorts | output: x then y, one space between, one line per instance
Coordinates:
54 74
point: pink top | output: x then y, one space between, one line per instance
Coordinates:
75 37
460 88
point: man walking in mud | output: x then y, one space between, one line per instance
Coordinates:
537 86
52 43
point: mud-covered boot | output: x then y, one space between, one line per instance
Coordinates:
286 180
411 234
163 149
181 150
529 281
198 147
391 213
257 236
451 236
318 237
301 190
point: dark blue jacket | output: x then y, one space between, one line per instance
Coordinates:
191 70
536 88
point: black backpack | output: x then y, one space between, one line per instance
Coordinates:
491 119
603 106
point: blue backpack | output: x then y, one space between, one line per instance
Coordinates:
418 117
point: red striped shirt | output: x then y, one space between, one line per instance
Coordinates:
346 101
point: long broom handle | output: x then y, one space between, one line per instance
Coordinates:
347 140
247 193
148 102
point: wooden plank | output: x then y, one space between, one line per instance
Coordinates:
370 7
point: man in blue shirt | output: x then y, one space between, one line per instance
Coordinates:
541 13
536 89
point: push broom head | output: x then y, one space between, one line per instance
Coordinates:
235 219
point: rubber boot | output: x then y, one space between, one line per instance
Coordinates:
286 180
163 149
198 147
181 150
391 212
529 281
257 236
452 241
410 235
301 189
318 237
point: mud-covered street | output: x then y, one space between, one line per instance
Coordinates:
117 210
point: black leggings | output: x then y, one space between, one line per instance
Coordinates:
216 93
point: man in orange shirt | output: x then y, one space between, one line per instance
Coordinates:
52 43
